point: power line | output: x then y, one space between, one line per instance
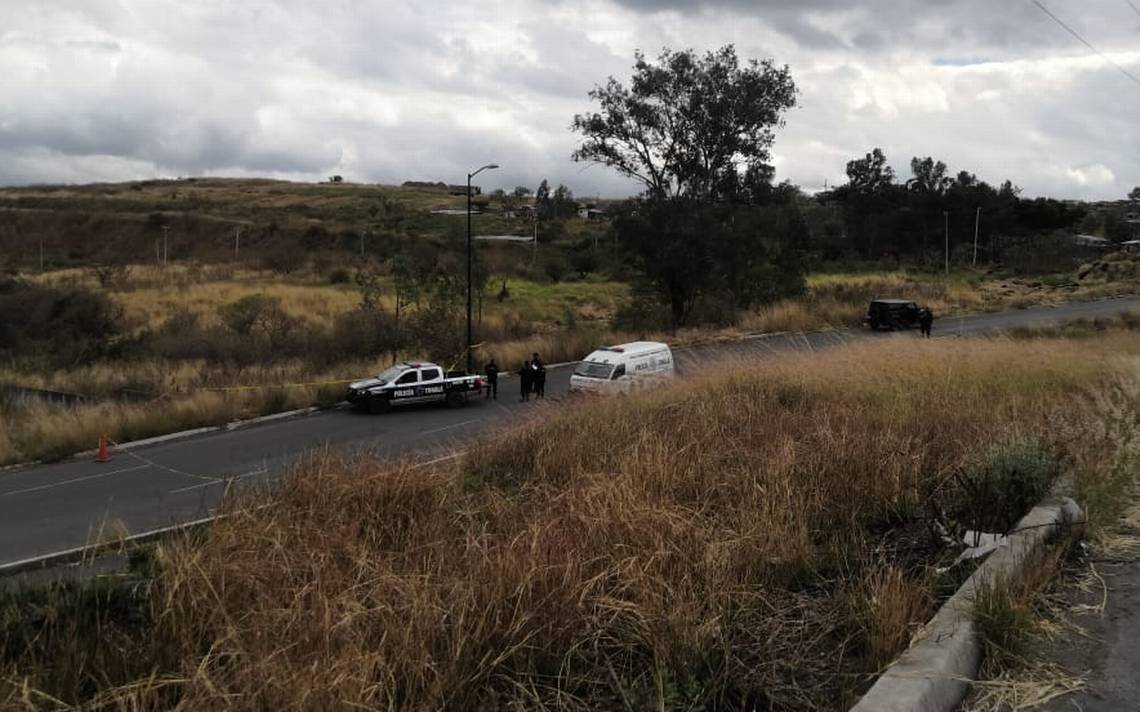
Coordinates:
1133 6
1085 42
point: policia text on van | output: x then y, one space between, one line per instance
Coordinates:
624 368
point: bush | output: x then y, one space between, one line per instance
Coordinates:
584 262
339 275
438 329
246 313
284 260
69 325
1010 480
716 309
555 267
642 314
362 333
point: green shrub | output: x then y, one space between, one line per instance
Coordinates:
1009 481
68 325
339 275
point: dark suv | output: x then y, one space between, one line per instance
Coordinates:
892 314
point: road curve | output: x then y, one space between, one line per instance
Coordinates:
51 508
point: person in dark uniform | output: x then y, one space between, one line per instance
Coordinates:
526 380
491 371
539 371
925 321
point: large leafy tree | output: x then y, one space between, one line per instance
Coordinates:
691 126
869 194
696 132
870 174
929 183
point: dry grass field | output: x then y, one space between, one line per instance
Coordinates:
562 321
755 539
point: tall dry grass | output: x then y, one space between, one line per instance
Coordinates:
561 322
143 398
753 539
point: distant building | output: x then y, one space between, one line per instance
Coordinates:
1091 241
591 212
462 190
525 211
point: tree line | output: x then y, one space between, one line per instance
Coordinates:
711 233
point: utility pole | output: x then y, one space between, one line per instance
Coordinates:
534 254
467 349
165 245
977 220
237 241
41 254
946 216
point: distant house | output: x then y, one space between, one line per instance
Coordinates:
462 190
591 212
336 179
525 211
1091 241
1131 246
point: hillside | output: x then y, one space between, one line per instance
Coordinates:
122 221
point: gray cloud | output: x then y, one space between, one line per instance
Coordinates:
119 89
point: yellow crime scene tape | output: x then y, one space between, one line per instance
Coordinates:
463 353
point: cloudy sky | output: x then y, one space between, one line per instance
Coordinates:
387 90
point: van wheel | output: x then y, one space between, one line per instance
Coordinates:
379 406
454 399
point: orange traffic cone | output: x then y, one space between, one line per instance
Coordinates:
103 455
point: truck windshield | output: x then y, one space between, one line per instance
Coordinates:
593 369
388 375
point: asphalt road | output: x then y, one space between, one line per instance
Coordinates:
50 508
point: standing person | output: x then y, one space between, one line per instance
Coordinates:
925 321
539 376
491 371
526 379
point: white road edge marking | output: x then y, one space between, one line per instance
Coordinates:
445 458
10 567
449 427
219 480
72 481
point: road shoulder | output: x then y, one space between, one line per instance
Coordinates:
1101 644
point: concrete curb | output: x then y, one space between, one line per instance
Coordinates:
935 673
92 551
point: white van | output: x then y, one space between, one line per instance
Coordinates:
624 368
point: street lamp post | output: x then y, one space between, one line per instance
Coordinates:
489 166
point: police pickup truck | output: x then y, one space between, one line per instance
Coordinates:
413 382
